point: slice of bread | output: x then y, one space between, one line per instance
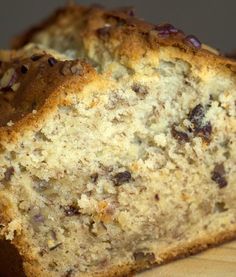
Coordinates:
109 170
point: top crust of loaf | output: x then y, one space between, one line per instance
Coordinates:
127 39
134 35
33 83
48 82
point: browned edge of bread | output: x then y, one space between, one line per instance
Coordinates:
135 35
38 91
129 270
132 32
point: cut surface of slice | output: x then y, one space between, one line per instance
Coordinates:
108 171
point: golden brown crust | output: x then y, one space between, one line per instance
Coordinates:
36 86
10 262
135 39
33 268
127 38
25 38
172 254
232 55
135 36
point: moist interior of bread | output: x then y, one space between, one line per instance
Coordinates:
121 174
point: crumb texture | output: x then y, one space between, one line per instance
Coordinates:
133 168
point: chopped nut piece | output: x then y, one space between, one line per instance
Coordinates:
193 41
8 80
140 90
121 178
179 135
8 173
24 69
39 218
52 61
15 87
36 57
77 69
65 70
165 30
94 177
43 252
204 132
71 210
104 30
218 175
196 116
72 67
144 257
52 245
41 185
220 207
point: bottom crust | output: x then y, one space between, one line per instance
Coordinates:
171 254
8 254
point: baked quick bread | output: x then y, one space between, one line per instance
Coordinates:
232 55
112 167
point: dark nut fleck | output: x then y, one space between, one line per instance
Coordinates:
218 175
220 207
196 116
166 30
24 69
94 177
179 135
121 178
144 257
157 197
104 31
38 218
54 235
140 90
8 173
55 246
52 61
43 252
71 210
204 132
193 41
36 57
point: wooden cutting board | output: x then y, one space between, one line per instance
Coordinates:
215 262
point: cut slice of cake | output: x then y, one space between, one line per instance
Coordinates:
109 170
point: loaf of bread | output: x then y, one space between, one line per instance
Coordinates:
232 55
123 160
